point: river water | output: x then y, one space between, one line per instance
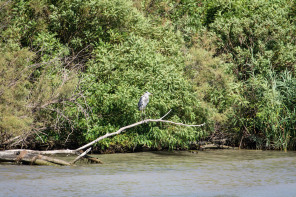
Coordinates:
207 173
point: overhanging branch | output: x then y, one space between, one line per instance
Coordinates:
37 157
136 124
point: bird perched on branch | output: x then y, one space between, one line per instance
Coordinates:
144 100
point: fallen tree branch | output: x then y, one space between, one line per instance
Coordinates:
55 161
47 152
37 157
30 157
80 156
136 124
93 159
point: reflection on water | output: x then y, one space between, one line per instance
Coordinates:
208 173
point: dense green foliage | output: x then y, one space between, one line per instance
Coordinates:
74 70
259 40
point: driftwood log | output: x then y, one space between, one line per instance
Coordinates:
31 157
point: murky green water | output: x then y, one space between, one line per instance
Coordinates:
208 173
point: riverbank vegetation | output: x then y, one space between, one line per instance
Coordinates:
73 70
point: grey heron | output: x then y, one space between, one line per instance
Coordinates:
144 100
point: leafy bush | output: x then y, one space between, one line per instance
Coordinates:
257 37
74 70
120 74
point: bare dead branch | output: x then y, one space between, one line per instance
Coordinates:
37 157
80 156
47 152
11 140
55 161
136 124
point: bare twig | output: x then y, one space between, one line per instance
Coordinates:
165 114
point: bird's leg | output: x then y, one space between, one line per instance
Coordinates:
143 115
